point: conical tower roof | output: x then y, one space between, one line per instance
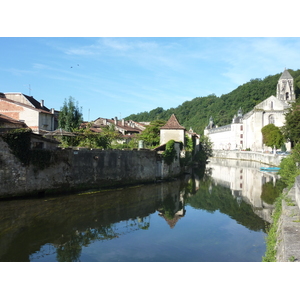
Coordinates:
172 123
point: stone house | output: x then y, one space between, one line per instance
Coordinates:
245 130
28 110
172 130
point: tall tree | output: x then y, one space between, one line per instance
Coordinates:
272 136
70 116
291 129
151 135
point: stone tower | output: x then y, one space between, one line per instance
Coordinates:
285 87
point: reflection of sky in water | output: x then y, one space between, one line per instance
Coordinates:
199 236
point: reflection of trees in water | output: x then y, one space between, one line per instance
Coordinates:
170 206
70 251
270 192
212 197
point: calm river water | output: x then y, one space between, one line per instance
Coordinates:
219 214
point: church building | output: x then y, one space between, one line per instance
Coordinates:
245 130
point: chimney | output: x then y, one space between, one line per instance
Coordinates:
123 122
42 103
116 121
52 111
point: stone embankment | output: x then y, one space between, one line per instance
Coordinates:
264 158
82 169
288 233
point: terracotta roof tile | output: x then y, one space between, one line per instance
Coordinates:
6 119
172 123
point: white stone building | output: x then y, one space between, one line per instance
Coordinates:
245 130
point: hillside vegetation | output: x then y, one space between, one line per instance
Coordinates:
196 112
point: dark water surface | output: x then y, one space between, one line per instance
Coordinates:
218 216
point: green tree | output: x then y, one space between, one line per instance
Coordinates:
205 150
291 129
70 116
289 166
151 135
87 138
272 136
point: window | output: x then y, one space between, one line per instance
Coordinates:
287 96
241 136
241 127
271 119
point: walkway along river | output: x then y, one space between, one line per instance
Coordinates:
216 214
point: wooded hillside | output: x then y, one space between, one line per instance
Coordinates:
196 112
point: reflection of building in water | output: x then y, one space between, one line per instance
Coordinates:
245 180
172 205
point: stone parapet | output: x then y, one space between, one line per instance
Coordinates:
264 158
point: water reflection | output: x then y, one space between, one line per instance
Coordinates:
161 220
247 183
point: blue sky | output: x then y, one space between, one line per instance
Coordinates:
118 76
122 57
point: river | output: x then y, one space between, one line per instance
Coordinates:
219 214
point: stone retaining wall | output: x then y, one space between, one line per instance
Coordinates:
72 170
265 158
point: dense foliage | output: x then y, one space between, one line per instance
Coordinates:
205 150
84 137
272 136
170 152
151 135
289 166
70 116
291 129
18 141
196 112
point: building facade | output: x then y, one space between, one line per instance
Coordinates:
245 130
28 110
172 130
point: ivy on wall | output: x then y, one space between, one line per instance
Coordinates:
170 152
18 141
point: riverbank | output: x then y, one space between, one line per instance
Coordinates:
288 231
284 238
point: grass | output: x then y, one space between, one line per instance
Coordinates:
289 202
292 258
271 239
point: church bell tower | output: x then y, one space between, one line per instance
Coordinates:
285 87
